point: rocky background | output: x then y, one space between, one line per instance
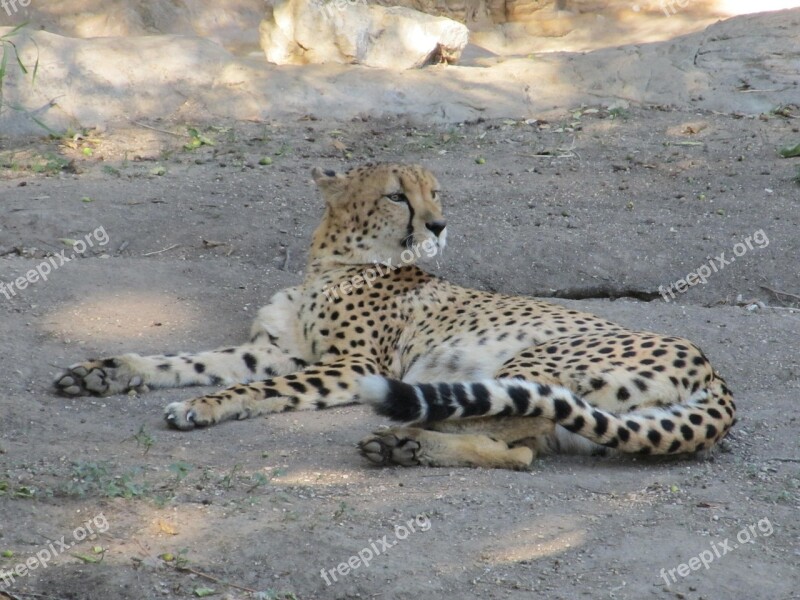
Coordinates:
206 64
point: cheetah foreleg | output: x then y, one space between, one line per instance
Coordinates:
119 374
329 383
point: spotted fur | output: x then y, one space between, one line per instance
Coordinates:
358 313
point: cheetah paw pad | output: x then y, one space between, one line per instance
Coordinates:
386 448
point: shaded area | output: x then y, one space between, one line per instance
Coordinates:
745 64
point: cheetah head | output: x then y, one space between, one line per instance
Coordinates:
377 213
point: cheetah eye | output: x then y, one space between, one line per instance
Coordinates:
435 194
398 197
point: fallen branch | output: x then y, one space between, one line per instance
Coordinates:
559 155
157 129
285 266
598 492
216 580
780 293
752 91
160 251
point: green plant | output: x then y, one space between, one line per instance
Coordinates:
24 492
6 43
196 140
258 480
9 48
181 470
618 113
182 559
227 480
20 492
342 511
52 164
790 151
144 439
784 111
275 595
96 478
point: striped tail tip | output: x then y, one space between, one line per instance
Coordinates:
390 398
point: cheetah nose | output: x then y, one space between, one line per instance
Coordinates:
437 227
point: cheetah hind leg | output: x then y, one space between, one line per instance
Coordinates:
452 444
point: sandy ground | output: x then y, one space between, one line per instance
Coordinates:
598 208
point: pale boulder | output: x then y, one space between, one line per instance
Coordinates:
298 32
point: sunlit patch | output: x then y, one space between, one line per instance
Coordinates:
531 545
121 316
318 478
744 7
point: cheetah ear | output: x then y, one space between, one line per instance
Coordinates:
330 183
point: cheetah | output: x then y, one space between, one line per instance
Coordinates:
478 379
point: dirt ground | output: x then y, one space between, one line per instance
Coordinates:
598 209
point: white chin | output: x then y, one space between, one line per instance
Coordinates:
431 246
442 239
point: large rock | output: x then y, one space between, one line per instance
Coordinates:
183 79
298 32
230 23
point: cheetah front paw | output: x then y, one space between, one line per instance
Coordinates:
204 411
187 415
391 447
103 377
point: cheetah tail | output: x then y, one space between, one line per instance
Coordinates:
678 428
